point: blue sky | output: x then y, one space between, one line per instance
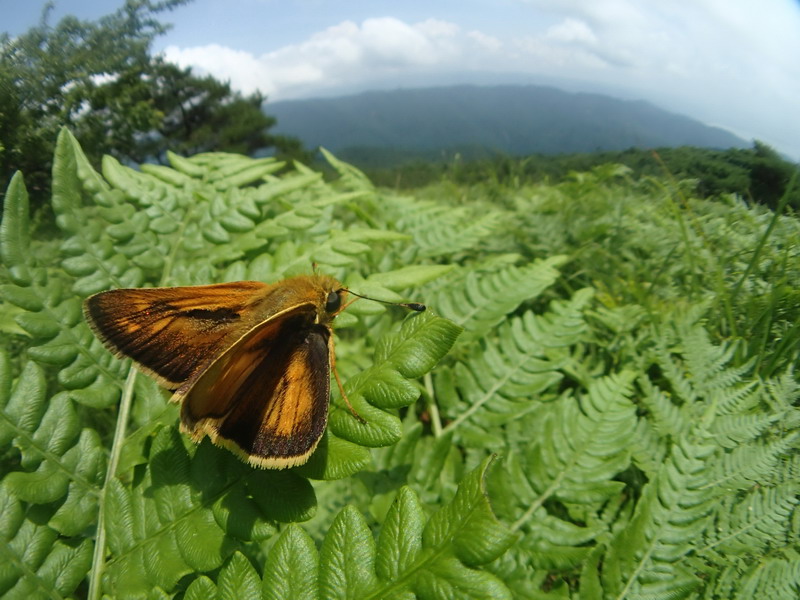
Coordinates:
731 63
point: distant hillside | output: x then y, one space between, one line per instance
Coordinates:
480 121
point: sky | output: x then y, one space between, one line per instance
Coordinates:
730 63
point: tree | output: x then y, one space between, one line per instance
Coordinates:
162 107
771 176
99 79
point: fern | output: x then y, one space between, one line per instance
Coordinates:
190 510
412 556
441 230
501 378
776 577
630 358
700 499
479 302
172 516
564 495
754 522
36 562
644 559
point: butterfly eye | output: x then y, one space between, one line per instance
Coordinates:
333 302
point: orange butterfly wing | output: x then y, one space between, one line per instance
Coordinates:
266 397
161 329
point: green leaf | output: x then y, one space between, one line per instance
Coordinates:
24 405
423 339
87 461
409 276
166 175
414 559
468 525
400 541
296 501
291 567
185 165
34 562
335 458
201 588
39 326
22 297
15 231
238 579
347 558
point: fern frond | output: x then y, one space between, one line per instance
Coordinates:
732 430
704 370
501 378
412 557
782 395
479 302
644 559
643 457
705 488
15 236
439 230
226 171
132 228
351 177
577 447
432 464
407 354
759 462
60 462
773 577
189 511
754 523
35 562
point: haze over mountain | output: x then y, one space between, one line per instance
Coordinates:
478 121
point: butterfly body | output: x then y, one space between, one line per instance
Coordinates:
248 362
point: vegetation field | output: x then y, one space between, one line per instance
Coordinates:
601 401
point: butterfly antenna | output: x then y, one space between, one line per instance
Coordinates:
410 305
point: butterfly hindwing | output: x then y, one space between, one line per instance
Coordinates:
266 397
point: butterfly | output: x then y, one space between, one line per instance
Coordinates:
248 362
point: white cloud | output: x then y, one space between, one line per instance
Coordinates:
489 42
345 53
241 68
392 43
571 30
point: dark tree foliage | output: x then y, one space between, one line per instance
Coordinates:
169 108
99 79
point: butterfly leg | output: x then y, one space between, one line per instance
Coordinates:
341 388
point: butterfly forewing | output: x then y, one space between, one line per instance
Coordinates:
266 401
161 329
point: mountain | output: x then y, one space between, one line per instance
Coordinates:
478 121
